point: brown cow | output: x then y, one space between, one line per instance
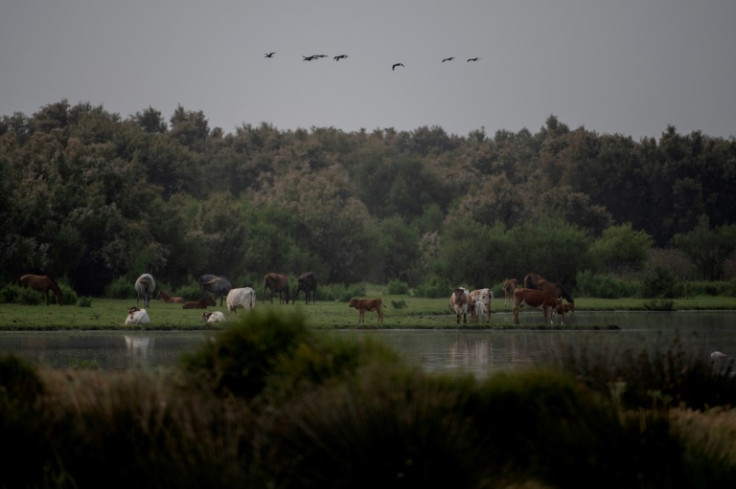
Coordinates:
169 299
508 291
363 305
277 283
459 302
535 281
534 298
562 309
200 304
481 301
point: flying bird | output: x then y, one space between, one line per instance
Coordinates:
340 56
309 58
393 67
448 59
472 59
270 55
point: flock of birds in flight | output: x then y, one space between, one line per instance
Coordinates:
343 56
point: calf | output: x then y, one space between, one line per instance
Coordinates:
137 315
459 302
363 305
200 304
213 317
562 309
534 298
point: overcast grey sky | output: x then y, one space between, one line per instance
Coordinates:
613 66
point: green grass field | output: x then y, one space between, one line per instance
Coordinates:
399 312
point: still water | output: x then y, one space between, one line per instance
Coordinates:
480 352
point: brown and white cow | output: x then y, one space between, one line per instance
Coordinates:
508 291
534 298
363 305
459 302
481 301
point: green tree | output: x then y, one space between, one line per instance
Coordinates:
708 247
621 248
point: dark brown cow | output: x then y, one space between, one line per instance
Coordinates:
308 283
43 284
200 304
535 281
277 283
534 298
363 305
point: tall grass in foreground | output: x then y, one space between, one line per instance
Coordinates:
268 404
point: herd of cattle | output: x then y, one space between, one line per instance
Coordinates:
537 292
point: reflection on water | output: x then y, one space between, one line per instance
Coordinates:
477 351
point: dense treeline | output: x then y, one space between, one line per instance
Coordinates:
90 197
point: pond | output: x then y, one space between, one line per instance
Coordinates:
478 351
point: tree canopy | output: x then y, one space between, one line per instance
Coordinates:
90 196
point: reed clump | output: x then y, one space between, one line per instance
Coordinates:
266 403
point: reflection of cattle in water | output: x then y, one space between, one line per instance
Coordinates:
308 283
138 346
277 283
218 285
459 303
144 287
43 284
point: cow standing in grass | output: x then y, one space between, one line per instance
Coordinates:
363 305
481 301
459 302
534 298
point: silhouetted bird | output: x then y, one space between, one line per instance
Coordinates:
309 58
472 59
393 67
340 56
448 59
320 55
270 55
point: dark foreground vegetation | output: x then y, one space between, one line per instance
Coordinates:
268 404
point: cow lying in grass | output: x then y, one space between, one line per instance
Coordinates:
213 317
136 315
534 298
200 304
363 305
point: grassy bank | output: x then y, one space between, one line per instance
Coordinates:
400 312
269 404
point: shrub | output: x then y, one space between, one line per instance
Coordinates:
660 282
121 288
397 287
432 289
605 286
9 294
340 292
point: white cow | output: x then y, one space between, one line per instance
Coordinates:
243 298
481 301
459 302
213 317
137 315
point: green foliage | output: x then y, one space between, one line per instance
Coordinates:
121 288
84 302
621 248
397 287
435 287
708 247
660 282
591 284
340 292
91 197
